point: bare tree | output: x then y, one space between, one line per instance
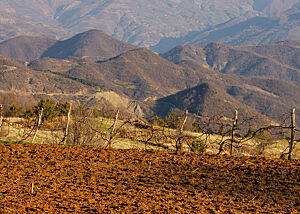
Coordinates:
217 126
146 133
227 134
110 136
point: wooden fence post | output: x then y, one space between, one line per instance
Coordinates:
293 122
234 124
1 114
112 132
67 126
179 144
38 124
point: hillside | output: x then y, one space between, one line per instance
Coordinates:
17 78
159 85
24 86
285 52
276 60
138 74
13 26
144 83
25 47
238 31
205 99
142 23
262 78
252 96
92 44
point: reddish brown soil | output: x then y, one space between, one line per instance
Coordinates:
95 180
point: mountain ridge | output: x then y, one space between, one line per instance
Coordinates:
92 44
256 30
142 23
25 47
154 83
260 79
258 60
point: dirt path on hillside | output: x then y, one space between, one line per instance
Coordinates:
66 179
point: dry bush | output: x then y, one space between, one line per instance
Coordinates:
9 98
4 131
84 130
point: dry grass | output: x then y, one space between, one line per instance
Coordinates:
131 136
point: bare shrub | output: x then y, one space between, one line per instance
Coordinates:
83 128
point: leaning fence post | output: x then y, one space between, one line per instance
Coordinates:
234 124
293 122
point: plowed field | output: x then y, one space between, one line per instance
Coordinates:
62 179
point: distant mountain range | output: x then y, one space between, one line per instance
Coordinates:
257 30
145 23
207 80
277 60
